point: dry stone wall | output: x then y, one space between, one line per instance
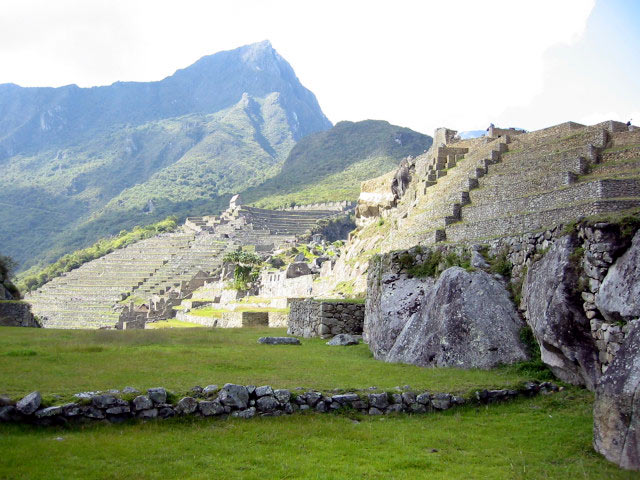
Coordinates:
244 402
317 318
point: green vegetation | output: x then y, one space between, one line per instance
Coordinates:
358 301
208 312
532 438
172 323
7 269
70 361
34 278
499 263
131 175
246 267
184 166
329 165
434 262
346 288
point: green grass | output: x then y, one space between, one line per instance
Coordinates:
70 361
357 301
207 312
540 438
172 323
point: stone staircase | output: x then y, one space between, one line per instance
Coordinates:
542 181
478 189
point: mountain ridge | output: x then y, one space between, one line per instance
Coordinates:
37 116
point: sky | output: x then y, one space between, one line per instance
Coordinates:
421 64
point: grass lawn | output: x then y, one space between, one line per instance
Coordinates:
63 362
544 437
172 323
540 438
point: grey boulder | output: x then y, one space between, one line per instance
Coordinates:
186 406
619 296
29 404
616 411
142 402
104 401
267 404
211 408
557 319
235 396
210 390
282 395
343 339
392 298
466 320
157 395
279 341
248 413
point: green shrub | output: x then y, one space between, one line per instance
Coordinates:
500 264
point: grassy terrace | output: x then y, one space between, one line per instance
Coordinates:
542 437
63 362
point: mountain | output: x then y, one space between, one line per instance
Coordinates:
81 163
329 165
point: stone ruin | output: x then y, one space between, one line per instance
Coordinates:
166 266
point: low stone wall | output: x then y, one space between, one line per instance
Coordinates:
315 318
17 314
245 402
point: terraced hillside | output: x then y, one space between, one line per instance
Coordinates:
89 296
478 189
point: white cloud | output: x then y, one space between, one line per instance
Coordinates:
459 63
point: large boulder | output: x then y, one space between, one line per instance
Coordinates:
616 412
392 298
558 322
619 296
298 269
401 179
464 319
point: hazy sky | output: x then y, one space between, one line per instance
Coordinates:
421 64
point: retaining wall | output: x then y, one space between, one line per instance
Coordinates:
314 318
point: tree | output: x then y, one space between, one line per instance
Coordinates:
7 266
245 270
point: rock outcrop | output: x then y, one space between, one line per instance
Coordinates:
557 320
392 298
616 413
464 319
619 296
401 179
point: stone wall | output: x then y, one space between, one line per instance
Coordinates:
276 284
245 402
600 244
317 318
337 206
17 314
